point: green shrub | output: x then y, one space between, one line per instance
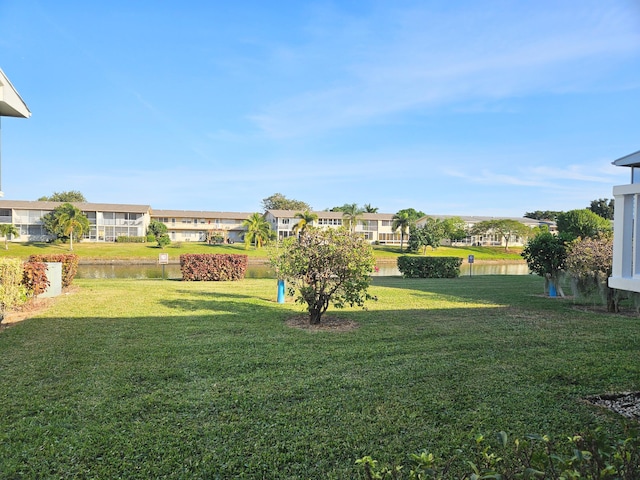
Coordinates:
429 267
34 278
69 265
212 267
590 456
12 291
127 239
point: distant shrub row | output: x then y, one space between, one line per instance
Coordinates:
429 267
126 239
212 267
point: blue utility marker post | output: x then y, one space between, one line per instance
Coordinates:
280 291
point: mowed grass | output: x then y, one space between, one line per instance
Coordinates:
168 379
148 252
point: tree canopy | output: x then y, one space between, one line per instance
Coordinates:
603 207
413 214
506 228
160 232
546 255
351 214
258 230
582 223
66 222
325 266
67 197
278 201
306 219
543 215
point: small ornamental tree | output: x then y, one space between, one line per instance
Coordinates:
546 255
589 263
160 232
331 266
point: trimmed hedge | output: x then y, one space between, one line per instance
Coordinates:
69 265
34 278
212 267
429 267
126 239
12 291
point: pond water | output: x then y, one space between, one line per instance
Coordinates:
264 271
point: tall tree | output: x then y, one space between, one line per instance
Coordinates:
402 221
7 230
331 266
278 201
414 215
603 207
543 215
72 222
65 197
370 209
258 230
306 220
351 213
582 223
506 228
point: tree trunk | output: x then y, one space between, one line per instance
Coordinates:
612 301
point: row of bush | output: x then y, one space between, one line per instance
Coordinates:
589 456
212 267
128 239
429 267
20 280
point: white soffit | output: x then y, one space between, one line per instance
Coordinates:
11 104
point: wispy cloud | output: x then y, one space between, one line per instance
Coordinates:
422 59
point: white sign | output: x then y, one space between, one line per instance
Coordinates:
163 259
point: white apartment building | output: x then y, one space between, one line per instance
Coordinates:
107 222
194 225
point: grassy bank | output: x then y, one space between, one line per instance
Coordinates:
148 252
150 379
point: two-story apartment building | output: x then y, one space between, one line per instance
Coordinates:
194 225
107 221
375 227
489 238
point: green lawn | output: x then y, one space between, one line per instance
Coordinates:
88 251
167 379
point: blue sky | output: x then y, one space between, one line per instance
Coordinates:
465 108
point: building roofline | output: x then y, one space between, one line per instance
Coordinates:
11 103
631 160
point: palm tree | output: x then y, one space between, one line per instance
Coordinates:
402 221
258 230
369 209
7 229
351 213
72 221
306 219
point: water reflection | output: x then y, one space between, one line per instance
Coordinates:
264 271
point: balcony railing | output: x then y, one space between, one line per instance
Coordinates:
626 238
